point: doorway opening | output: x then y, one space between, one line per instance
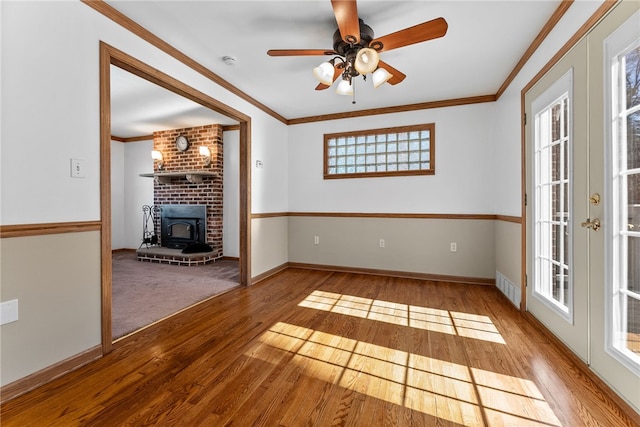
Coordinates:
110 56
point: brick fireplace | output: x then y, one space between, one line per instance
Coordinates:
175 183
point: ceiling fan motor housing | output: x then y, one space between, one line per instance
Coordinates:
342 47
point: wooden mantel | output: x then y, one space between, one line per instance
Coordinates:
191 176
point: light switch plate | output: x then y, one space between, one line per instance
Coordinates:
77 168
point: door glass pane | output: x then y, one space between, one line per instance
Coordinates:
633 140
551 231
632 77
624 286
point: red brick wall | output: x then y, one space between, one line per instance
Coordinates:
182 192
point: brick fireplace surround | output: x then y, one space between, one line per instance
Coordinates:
180 191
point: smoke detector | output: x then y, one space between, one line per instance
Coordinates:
229 60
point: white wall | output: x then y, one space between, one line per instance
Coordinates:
138 191
129 191
507 126
50 107
463 158
117 195
231 194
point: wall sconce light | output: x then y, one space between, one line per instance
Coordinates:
157 157
206 155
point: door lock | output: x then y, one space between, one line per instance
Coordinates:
595 199
594 225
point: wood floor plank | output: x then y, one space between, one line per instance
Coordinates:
318 348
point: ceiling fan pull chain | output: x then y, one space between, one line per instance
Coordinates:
353 82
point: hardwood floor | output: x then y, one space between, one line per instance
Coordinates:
320 348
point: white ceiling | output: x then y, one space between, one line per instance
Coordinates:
484 42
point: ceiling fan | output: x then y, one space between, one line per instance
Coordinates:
356 51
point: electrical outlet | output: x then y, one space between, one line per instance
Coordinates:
316 240
382 243
8 311
453 247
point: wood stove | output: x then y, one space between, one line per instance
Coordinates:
183 225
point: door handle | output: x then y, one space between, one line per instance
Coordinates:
594 225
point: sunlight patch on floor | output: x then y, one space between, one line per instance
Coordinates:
443 389
430 319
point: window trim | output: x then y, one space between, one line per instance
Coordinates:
431 127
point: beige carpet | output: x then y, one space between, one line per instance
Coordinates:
143 292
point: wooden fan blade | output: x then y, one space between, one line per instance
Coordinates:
337 71
418 33
300 52
346 12
398 76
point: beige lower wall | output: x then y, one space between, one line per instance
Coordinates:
508 254
269 244
411 245
56 280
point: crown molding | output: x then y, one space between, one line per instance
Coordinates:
119 18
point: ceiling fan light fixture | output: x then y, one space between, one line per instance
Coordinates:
344 88
380 76
324 73
366 60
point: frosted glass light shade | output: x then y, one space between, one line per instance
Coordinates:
366 60
380 76
344 88
156 155
324 73
204 151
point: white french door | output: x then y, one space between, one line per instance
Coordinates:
582 142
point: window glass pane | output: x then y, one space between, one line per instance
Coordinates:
633 332
633 280
633 140
632 67
555 124
409 149
555 162
551 207
633 190
623 296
